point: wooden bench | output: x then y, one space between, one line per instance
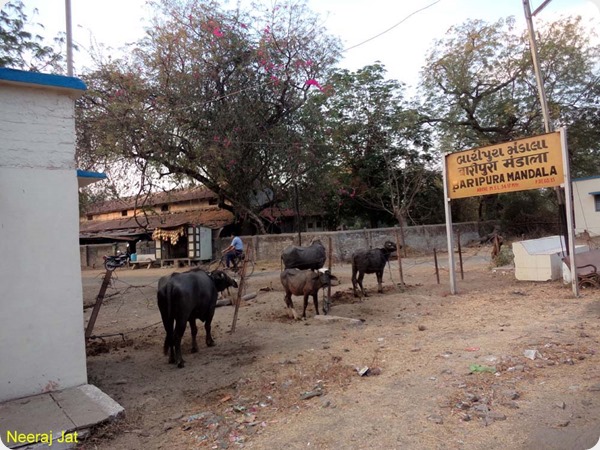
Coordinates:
178 262
587 268
141 259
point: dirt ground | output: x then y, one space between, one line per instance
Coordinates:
444 371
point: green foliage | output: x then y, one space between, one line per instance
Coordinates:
479 89
21 48
383 159
504 257
221 97
246 103
533 213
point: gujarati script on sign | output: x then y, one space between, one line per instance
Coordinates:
530 163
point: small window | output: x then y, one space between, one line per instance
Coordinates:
309 225
213 201
124 213
164 208
90 217
318 224
597 202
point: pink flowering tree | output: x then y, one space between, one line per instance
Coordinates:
219 97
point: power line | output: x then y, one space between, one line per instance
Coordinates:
392 27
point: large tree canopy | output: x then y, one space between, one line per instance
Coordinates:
479 89
22 48
247 104
216 96
383 151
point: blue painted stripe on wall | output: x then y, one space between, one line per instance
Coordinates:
44 79
88 174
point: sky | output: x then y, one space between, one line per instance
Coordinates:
112 23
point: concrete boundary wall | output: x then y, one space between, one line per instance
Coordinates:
422 238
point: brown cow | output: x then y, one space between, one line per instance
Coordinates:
305 283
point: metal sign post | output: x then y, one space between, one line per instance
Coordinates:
569 211
529 163
449 233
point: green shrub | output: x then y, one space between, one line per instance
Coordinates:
504 257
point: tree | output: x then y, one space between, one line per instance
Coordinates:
474 87
479 89
219 97
22 49
383 150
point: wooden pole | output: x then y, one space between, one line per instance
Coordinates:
496 249
403 239
242 286
437 270
98 304
398 247
569 210
329 258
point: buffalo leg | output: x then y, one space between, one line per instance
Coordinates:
168 345
179 331
354 281
316 302
361 275
194 329
172 354
168 324
380 282
290 306
207 327
305 305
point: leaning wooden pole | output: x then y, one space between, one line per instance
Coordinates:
242 286
98 304
437 269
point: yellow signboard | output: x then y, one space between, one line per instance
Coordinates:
530 163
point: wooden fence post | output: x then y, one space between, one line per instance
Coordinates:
437 270
242 286
98 304
399 258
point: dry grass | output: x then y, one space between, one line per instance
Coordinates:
235 412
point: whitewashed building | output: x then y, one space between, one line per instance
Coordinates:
586 205
42 346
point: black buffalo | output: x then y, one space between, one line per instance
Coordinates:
370 261
221 279
305 283
185 297
304 258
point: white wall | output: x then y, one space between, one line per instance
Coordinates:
586 216
42 344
